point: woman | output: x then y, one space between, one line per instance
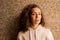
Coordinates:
31 25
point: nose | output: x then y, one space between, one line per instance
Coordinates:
36 15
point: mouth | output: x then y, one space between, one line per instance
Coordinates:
37 20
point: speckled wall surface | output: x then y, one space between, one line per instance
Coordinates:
10 11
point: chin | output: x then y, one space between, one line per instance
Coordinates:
37 22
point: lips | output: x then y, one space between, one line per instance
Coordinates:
37 20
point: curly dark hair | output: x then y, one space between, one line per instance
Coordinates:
25 17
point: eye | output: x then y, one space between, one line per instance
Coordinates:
33 14
39 14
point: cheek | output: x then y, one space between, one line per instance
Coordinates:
32 18
40 16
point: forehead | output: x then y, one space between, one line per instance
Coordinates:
36 9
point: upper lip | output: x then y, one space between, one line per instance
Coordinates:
37 20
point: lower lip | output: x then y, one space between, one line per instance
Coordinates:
37 20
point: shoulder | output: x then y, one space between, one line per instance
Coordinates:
20 34
23 33
48 34
46 30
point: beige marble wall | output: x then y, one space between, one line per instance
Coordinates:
10 11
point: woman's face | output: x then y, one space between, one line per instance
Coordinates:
36 15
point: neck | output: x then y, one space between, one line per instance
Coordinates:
34 26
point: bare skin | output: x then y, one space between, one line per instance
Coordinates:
36 17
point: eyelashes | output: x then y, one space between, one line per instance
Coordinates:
36 14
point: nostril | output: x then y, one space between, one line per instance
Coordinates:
36 16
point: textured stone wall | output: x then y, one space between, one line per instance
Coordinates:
10 11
